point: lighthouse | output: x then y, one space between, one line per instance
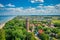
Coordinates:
27 24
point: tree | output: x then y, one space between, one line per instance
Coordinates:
30 36
15 30
2 34
43 36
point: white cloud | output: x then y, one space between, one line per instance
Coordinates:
41 4
41 0
55 10
58 5
1 5
34 1
10 5
43 10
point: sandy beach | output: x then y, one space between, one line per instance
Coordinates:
2 25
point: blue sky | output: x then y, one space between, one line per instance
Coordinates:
29 7
28 3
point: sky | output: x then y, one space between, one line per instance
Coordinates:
29 7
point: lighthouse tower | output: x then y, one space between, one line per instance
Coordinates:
27 24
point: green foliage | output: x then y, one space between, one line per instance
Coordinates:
53 38
56 23
30 36
58 35
55 30
47 30
15 30
43 36
2 34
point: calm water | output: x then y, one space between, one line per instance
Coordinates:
5 18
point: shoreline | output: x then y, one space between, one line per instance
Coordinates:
2 25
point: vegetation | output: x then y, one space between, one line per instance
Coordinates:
16 30
2 34
43 36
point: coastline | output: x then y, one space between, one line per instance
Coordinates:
2 25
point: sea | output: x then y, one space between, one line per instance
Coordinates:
6 18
